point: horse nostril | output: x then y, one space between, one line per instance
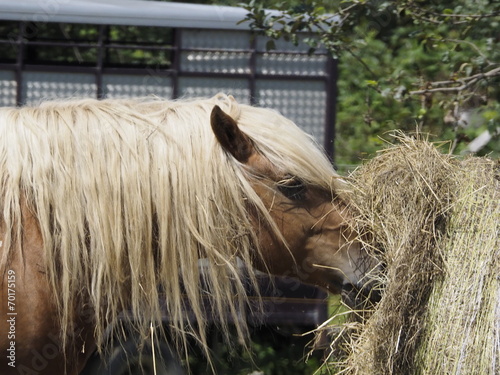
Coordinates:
372 291
374 295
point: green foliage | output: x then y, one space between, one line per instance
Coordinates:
272 353
411 65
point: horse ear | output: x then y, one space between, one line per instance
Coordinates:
229 135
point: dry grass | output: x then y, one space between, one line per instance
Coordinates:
434 224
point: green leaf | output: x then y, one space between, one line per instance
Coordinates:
491 115
270 45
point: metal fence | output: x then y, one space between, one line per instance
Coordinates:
55 59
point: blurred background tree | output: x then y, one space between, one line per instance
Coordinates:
426 66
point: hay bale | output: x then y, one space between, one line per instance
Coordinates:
462 335
434 221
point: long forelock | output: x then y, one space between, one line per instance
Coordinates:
288 148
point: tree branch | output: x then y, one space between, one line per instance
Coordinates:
466 83
470 44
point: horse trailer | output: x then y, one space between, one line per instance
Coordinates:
111 49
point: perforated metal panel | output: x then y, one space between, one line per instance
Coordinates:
291 65
215 62
304 102
127 86
188 62
8 88
215 51
206 87
37 86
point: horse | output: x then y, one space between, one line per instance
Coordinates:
109 206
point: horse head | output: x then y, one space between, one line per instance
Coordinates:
311 239
112 205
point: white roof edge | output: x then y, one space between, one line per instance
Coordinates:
125 12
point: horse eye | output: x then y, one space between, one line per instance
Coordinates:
293 188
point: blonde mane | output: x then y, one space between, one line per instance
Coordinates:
131 194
